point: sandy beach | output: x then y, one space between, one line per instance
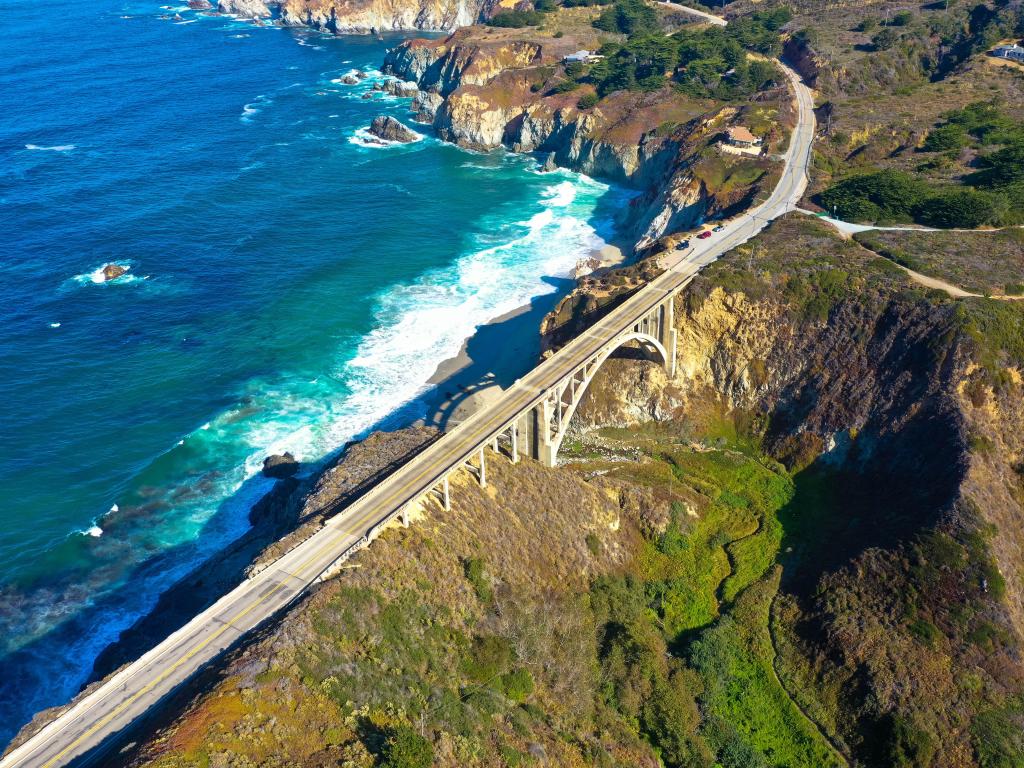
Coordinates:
501 351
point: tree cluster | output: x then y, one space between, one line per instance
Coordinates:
708 63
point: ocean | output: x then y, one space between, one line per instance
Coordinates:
289 287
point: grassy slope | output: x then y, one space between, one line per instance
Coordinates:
989 263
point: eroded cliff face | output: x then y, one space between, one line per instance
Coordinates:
363 16
487 91
903 571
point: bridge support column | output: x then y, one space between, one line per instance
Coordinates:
514 435
404 516
545 452
667 333
483 470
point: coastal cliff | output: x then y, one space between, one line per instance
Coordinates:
364 16
503 89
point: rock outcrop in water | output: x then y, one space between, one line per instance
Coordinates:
113 271
280 466
388 128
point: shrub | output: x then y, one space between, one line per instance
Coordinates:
517 685
474 570
884 40
926 632
558 34
587 101
405 748
945 138
490 656
902 18
515 19
966 208
574 69
867 25
593 544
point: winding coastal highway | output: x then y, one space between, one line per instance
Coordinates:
80 734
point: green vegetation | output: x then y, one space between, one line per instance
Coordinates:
407 749
703 589
630 18
896 196
993 194
704 63
515 19
474 570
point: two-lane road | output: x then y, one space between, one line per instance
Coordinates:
95 720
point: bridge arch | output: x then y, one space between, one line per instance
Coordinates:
571 395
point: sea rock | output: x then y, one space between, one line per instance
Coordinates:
549 163
367 95
113 271
350 80
360 75
200 5
280 466
245 9
388 128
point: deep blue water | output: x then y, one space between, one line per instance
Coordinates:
288 288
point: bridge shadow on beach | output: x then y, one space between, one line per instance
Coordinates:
492 360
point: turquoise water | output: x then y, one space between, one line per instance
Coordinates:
288 288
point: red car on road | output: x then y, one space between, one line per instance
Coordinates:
704 235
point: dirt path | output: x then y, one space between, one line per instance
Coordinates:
847 230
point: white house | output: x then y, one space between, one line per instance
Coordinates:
582 57
739 136
1013 52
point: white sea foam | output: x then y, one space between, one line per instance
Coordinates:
96 277
254 107
55 325
363 138
95 531
54 148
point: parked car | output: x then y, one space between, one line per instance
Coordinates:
704 235
719 228
682 245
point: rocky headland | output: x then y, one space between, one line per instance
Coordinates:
484 88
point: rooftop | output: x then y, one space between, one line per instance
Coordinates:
739 133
